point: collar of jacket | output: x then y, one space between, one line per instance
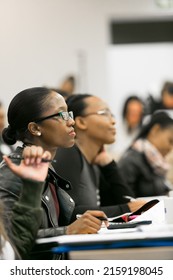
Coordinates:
56 179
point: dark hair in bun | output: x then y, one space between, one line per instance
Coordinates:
27 106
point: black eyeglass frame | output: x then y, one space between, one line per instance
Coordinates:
64 115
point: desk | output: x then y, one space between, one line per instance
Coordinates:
151 244
148 253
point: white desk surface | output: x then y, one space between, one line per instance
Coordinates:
139 233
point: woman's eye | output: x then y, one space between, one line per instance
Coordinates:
56 117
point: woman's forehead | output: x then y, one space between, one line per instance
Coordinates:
95 102
56 100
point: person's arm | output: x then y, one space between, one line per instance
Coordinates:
33 168
26 214
26 217
110 211
113 185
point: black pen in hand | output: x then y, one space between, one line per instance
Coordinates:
21 158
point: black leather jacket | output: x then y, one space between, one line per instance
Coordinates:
10 189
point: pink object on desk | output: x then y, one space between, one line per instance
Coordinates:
127 218
130 218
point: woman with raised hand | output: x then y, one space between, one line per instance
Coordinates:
26 213
38 117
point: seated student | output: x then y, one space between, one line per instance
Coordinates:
132 113
39 117
92 172
4 148
129 125
163 102
144 163
169 174
27 213
68 85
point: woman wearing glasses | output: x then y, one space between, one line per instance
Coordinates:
38 118
96 183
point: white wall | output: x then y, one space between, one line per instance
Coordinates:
41 41
137 69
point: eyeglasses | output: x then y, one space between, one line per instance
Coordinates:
63 115
105 112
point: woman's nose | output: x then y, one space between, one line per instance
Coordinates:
71 122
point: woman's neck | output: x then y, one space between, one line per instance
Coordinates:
88 148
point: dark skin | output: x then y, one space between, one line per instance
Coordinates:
54 132
161 138
94 131
44 139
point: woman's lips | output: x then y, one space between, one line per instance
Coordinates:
72 133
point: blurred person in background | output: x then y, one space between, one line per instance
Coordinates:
132 113
165 101
144 163
68 85
66 88
129 125
4 148
96 182
169 174
169 158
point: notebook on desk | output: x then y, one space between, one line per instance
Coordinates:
152 210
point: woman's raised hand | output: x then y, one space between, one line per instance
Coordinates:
31 166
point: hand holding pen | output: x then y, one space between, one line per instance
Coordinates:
34 164
17 156
97 216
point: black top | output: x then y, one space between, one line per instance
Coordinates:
140 176
93 187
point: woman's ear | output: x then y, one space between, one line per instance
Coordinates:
155 129
80 123
34 129
153 135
